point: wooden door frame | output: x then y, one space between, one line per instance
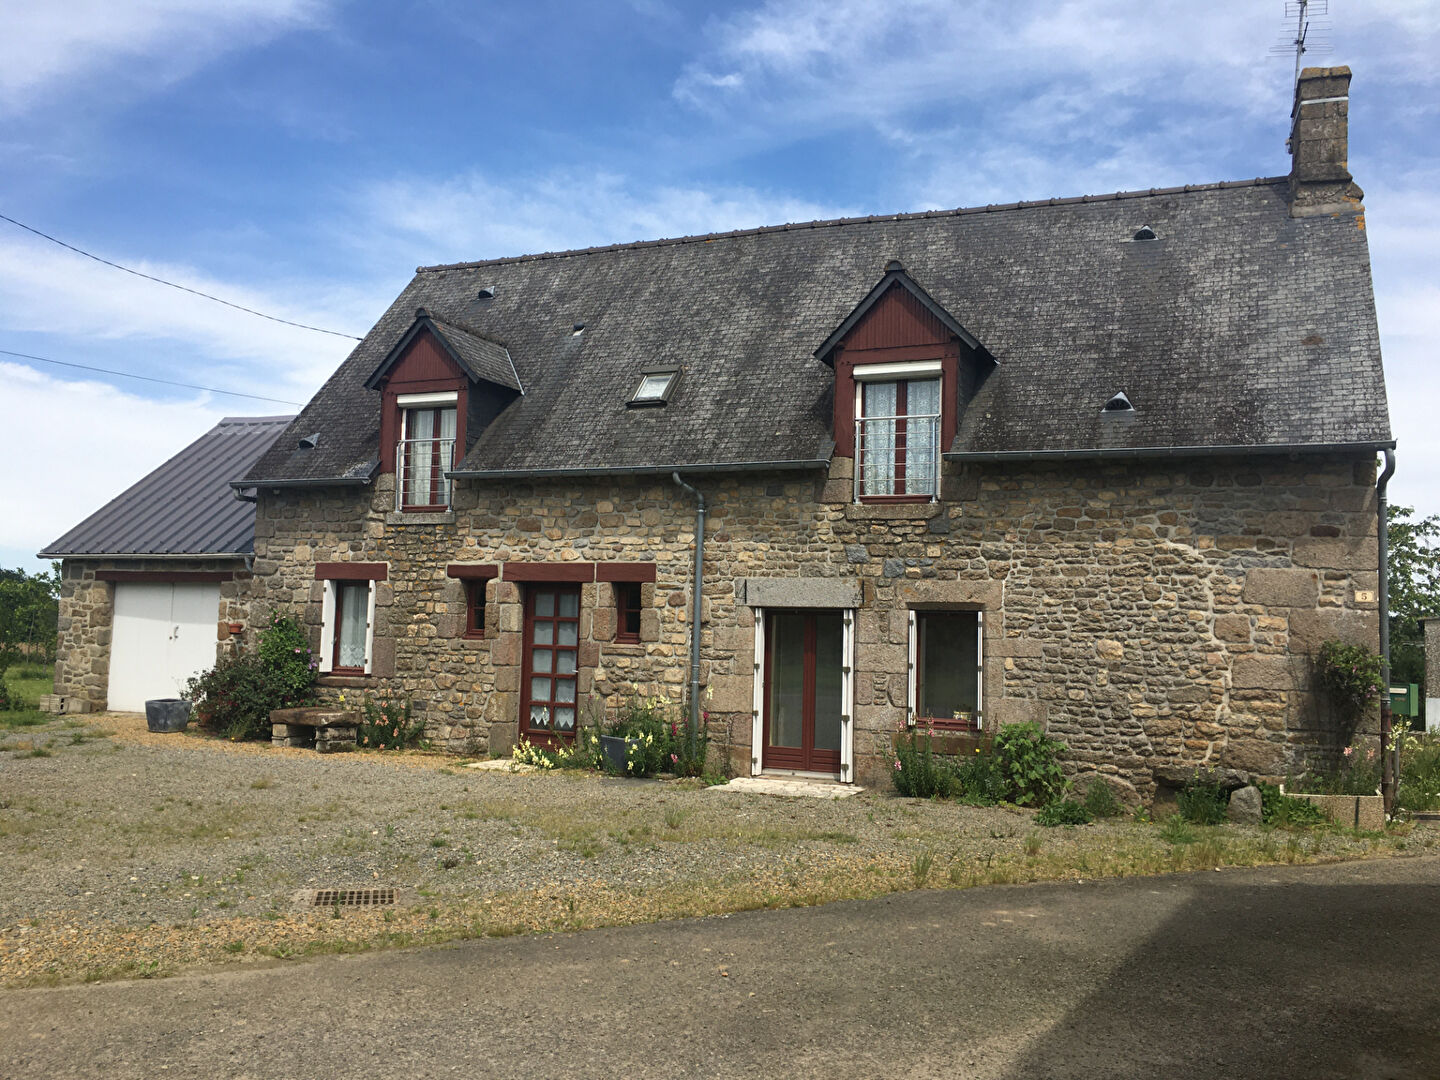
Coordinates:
805 758
547 737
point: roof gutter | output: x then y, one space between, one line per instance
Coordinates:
141 555
1098 454
334 481
639 470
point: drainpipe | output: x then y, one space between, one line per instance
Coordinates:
1387 783
696 599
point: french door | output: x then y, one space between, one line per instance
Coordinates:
803 696
551 661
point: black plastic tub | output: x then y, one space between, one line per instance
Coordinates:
167 714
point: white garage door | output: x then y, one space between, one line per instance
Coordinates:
163 633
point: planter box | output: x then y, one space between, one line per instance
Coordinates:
1352 811
167 714
614 748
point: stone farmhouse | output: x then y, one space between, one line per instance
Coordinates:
1105 463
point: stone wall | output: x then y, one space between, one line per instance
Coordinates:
1151 615
1432 674
87 609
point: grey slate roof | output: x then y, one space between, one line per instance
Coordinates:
186 506
1238 326
478 356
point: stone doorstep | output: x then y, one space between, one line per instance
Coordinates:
775 785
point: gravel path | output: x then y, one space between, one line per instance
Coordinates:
125 852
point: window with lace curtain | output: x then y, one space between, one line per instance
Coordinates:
897 435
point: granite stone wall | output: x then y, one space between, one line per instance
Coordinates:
1154 616
87 610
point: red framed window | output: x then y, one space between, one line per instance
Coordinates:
897 440
352 626
475 607
551 663
627 611
425 453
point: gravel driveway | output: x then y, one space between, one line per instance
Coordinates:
127 853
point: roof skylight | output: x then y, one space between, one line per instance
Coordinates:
655 387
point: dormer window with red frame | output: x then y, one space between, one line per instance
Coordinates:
899 361
425 451
438 380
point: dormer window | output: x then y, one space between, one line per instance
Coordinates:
426 451
904 369
655 387
897 431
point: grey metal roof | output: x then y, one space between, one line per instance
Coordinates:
186 506
1237 326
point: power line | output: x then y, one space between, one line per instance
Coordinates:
147 378
173 285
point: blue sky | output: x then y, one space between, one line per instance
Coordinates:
303 156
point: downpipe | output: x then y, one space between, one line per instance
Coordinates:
1389 763
696 601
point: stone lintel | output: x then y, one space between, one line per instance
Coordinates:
798 592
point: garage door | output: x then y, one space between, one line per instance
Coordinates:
163 633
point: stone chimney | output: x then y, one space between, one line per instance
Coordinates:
1320 182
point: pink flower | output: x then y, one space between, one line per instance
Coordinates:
674 758
1349 750
897 764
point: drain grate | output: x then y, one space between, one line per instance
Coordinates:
354 897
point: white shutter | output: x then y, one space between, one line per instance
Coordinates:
847 698
911 696
757 715
980 670
370 627
327 627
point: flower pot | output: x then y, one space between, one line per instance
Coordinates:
167 714
614 747
1350 811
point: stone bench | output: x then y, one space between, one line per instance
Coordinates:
327 730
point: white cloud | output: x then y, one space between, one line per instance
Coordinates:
477 217
111 440
48 291
50 47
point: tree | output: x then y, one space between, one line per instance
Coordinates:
29 614
1414 562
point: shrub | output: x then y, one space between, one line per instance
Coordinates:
7 701
1100 800
386 724
1350 677
682 761
1063 812
1277 808
1029 764
1202 801
978 779
917 773
1419 776
236 696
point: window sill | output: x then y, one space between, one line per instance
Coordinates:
473 635
625 648
420 517
346 680
893 511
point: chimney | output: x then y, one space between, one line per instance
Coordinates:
1320 182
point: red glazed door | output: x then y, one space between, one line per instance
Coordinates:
803 682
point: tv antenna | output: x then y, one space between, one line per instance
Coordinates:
1309 36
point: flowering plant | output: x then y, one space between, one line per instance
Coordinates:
1350 677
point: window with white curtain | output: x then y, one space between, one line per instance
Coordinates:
897 438
426 453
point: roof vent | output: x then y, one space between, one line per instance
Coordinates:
309 442
577 329
894 266
1145 232
487 292
1118 403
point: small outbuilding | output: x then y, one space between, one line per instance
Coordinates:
150 582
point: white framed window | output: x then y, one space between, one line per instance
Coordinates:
426 450
897 431
947 667
347 627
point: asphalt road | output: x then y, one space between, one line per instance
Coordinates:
1307 972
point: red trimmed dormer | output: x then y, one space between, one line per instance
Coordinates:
899 361
440 385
